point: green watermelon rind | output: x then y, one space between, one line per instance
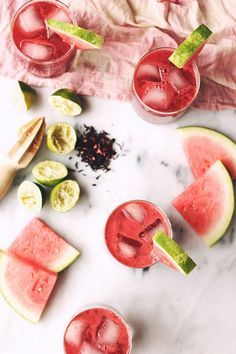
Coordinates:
190 45
76 32
220 229
225 141
69 257
29 317
175 254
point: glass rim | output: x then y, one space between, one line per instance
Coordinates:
163 113
162 213
37 61
95 306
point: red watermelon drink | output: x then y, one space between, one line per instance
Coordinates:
162 91
41 50
129 233
97 331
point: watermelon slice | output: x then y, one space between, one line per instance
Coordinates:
25 286
172 254
203 147
38 243
82 38
208 204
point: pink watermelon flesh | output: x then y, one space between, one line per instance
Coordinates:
25 286
208 203
79 44
38 243
203 150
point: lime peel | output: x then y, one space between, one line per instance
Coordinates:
24 96
66 102
190 46
49 173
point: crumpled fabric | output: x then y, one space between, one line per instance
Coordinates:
131 28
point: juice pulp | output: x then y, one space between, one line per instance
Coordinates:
42 50
161 90
129 231
97 331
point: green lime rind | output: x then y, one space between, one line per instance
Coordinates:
49 173
66 102
189 46
79 33
61 138
25 96
174 253
31 196
65 195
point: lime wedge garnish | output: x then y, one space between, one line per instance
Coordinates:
173 255
49 173
190 46
65 195
30 195
66 102
24 96
81 37
61 138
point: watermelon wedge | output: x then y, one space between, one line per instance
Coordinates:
25 286
82 38
39 244
203 147
172 254
208 204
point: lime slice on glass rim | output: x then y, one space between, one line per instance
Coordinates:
24 96
173 255
65 195
81 37
61 138
66 102
190 46
49 173
31 196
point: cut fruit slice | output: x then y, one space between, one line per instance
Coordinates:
49 173
31 196
24 96
82 38
190 46
203 147
25 286
173 255
39 244
65 195
66 102
208 204
61 138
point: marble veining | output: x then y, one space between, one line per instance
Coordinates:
169 313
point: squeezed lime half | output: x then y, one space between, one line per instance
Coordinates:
61 138
66 102
24 95
49 173
175 256
30 196
65 195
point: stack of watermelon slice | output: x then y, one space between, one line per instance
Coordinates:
208 203
28 269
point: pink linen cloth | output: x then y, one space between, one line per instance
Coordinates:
131 28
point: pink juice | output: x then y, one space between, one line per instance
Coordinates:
41 50
129 231
97 331
161 91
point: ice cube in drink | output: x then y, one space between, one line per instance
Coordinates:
128 239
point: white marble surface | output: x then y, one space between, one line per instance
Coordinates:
170 313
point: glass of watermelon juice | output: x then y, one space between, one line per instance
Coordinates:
97 330
40 50
129 233
161 91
